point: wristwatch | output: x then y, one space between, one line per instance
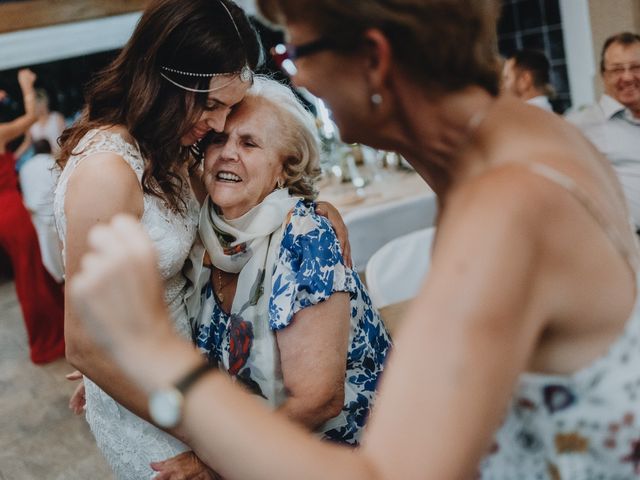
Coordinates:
165 404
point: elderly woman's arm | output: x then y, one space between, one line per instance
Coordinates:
313 354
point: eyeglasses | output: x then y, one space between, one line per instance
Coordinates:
621 69
285 55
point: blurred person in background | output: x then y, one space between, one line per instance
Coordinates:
40 297
49 125
525 74
38 178
613 124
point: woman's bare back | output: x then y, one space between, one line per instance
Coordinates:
586 250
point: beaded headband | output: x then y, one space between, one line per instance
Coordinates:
245 74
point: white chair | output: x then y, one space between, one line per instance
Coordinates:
395 272
372 227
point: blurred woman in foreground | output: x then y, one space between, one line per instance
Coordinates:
518 357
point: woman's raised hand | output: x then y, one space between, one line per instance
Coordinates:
78 399
26 79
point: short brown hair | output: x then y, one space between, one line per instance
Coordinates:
624 38
446 45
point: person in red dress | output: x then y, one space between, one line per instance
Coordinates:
41 298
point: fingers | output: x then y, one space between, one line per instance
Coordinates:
75 375
185 466
181 458
78 400
26 76
165 470
156 466
169 474
123 240
78 409
346 254
342 233
111 245
322 210
163 476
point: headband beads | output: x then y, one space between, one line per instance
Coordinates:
245 74
190 74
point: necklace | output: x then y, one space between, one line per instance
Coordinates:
221 286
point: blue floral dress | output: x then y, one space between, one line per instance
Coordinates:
308 270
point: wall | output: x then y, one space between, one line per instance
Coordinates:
26 14
55 42
538 25
578 44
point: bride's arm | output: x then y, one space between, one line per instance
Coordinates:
99 188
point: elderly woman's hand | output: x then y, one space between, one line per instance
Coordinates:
332 214
78 399
184 466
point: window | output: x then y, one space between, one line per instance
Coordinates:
537 24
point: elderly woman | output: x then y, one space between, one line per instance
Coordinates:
275 306
281 313
519 357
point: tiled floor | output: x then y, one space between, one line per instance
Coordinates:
40 439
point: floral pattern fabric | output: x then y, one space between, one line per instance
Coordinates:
309 269
584 426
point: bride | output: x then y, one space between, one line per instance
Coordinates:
186 65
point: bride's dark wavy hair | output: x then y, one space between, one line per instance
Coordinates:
188 35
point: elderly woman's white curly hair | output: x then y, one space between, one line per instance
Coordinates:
300 145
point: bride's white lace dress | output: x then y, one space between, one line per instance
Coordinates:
128 442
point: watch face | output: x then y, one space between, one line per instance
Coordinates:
165 407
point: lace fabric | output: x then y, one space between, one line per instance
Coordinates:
128 442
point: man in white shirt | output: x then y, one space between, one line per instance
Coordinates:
526 75
613 124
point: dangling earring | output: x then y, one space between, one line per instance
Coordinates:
279 183
376 99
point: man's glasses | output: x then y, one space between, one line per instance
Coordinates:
285 55
621 69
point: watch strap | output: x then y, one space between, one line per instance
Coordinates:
186 382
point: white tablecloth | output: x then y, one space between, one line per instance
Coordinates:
398 203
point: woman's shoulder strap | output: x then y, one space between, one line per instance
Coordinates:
578 193
104 141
